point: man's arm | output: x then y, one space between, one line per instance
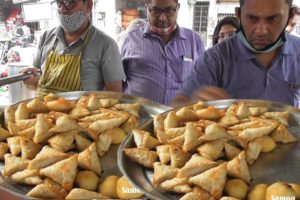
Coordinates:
114 86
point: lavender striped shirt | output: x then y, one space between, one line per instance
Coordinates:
155 70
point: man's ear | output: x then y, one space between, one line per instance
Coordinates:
238 12
292 13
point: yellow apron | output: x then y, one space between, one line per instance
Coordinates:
61 72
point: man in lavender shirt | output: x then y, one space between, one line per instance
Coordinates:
159 55
261 62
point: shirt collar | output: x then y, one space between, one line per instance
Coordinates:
59 33
243 53
179 32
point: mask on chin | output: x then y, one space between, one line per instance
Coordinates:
162 31
73 22
266 49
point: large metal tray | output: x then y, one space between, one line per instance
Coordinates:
109 161
282 164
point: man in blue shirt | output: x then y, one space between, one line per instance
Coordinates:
261 62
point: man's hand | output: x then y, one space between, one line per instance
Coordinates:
210 93
32 81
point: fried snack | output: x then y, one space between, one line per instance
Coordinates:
142 156
22 112
37 106
88 159
9 115
108 187
258 192
4 134
78 193
60 105
14 164
3 150
236 188
87 180
162 173
126 191
27 176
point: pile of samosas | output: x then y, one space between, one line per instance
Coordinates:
55 144
202 152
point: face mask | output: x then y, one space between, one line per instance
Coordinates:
73 22
162 31
267 49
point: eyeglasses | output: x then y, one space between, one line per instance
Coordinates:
68 4
169 12
223 36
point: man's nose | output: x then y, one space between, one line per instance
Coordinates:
162 16
262 27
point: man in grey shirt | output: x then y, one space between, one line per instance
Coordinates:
75 55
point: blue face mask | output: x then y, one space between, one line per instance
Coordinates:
73 22
280 41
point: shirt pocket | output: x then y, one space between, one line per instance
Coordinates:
294 89
184 65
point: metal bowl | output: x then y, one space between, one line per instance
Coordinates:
109 161
282 164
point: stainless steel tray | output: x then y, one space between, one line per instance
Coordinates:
282 164
109 161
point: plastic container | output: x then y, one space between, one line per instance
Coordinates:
18 91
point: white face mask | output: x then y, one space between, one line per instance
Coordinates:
73 22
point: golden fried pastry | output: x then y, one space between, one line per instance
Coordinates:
209 113
191 138
252 151
107 103
14 164
178 185
186 114
63 141
131 123
79 111
28 133
162 173
88 159
63 124
212 150
25 123
63 172
13 128
283 135
144 139
3 150
242 110
281 117
228 120
29 148
105 124
175 132
142 156
60 105
212 180
9 114
178 141
14 144
162 137
195 166
78 193
37 106
214 132
50 97
103 143
27 176
231 151
46 157
93 102
131 108
238 168
81 142
48 190
163 152
4 134
257 110
197 194
158 123
42 127
171 120
22 112
178 156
